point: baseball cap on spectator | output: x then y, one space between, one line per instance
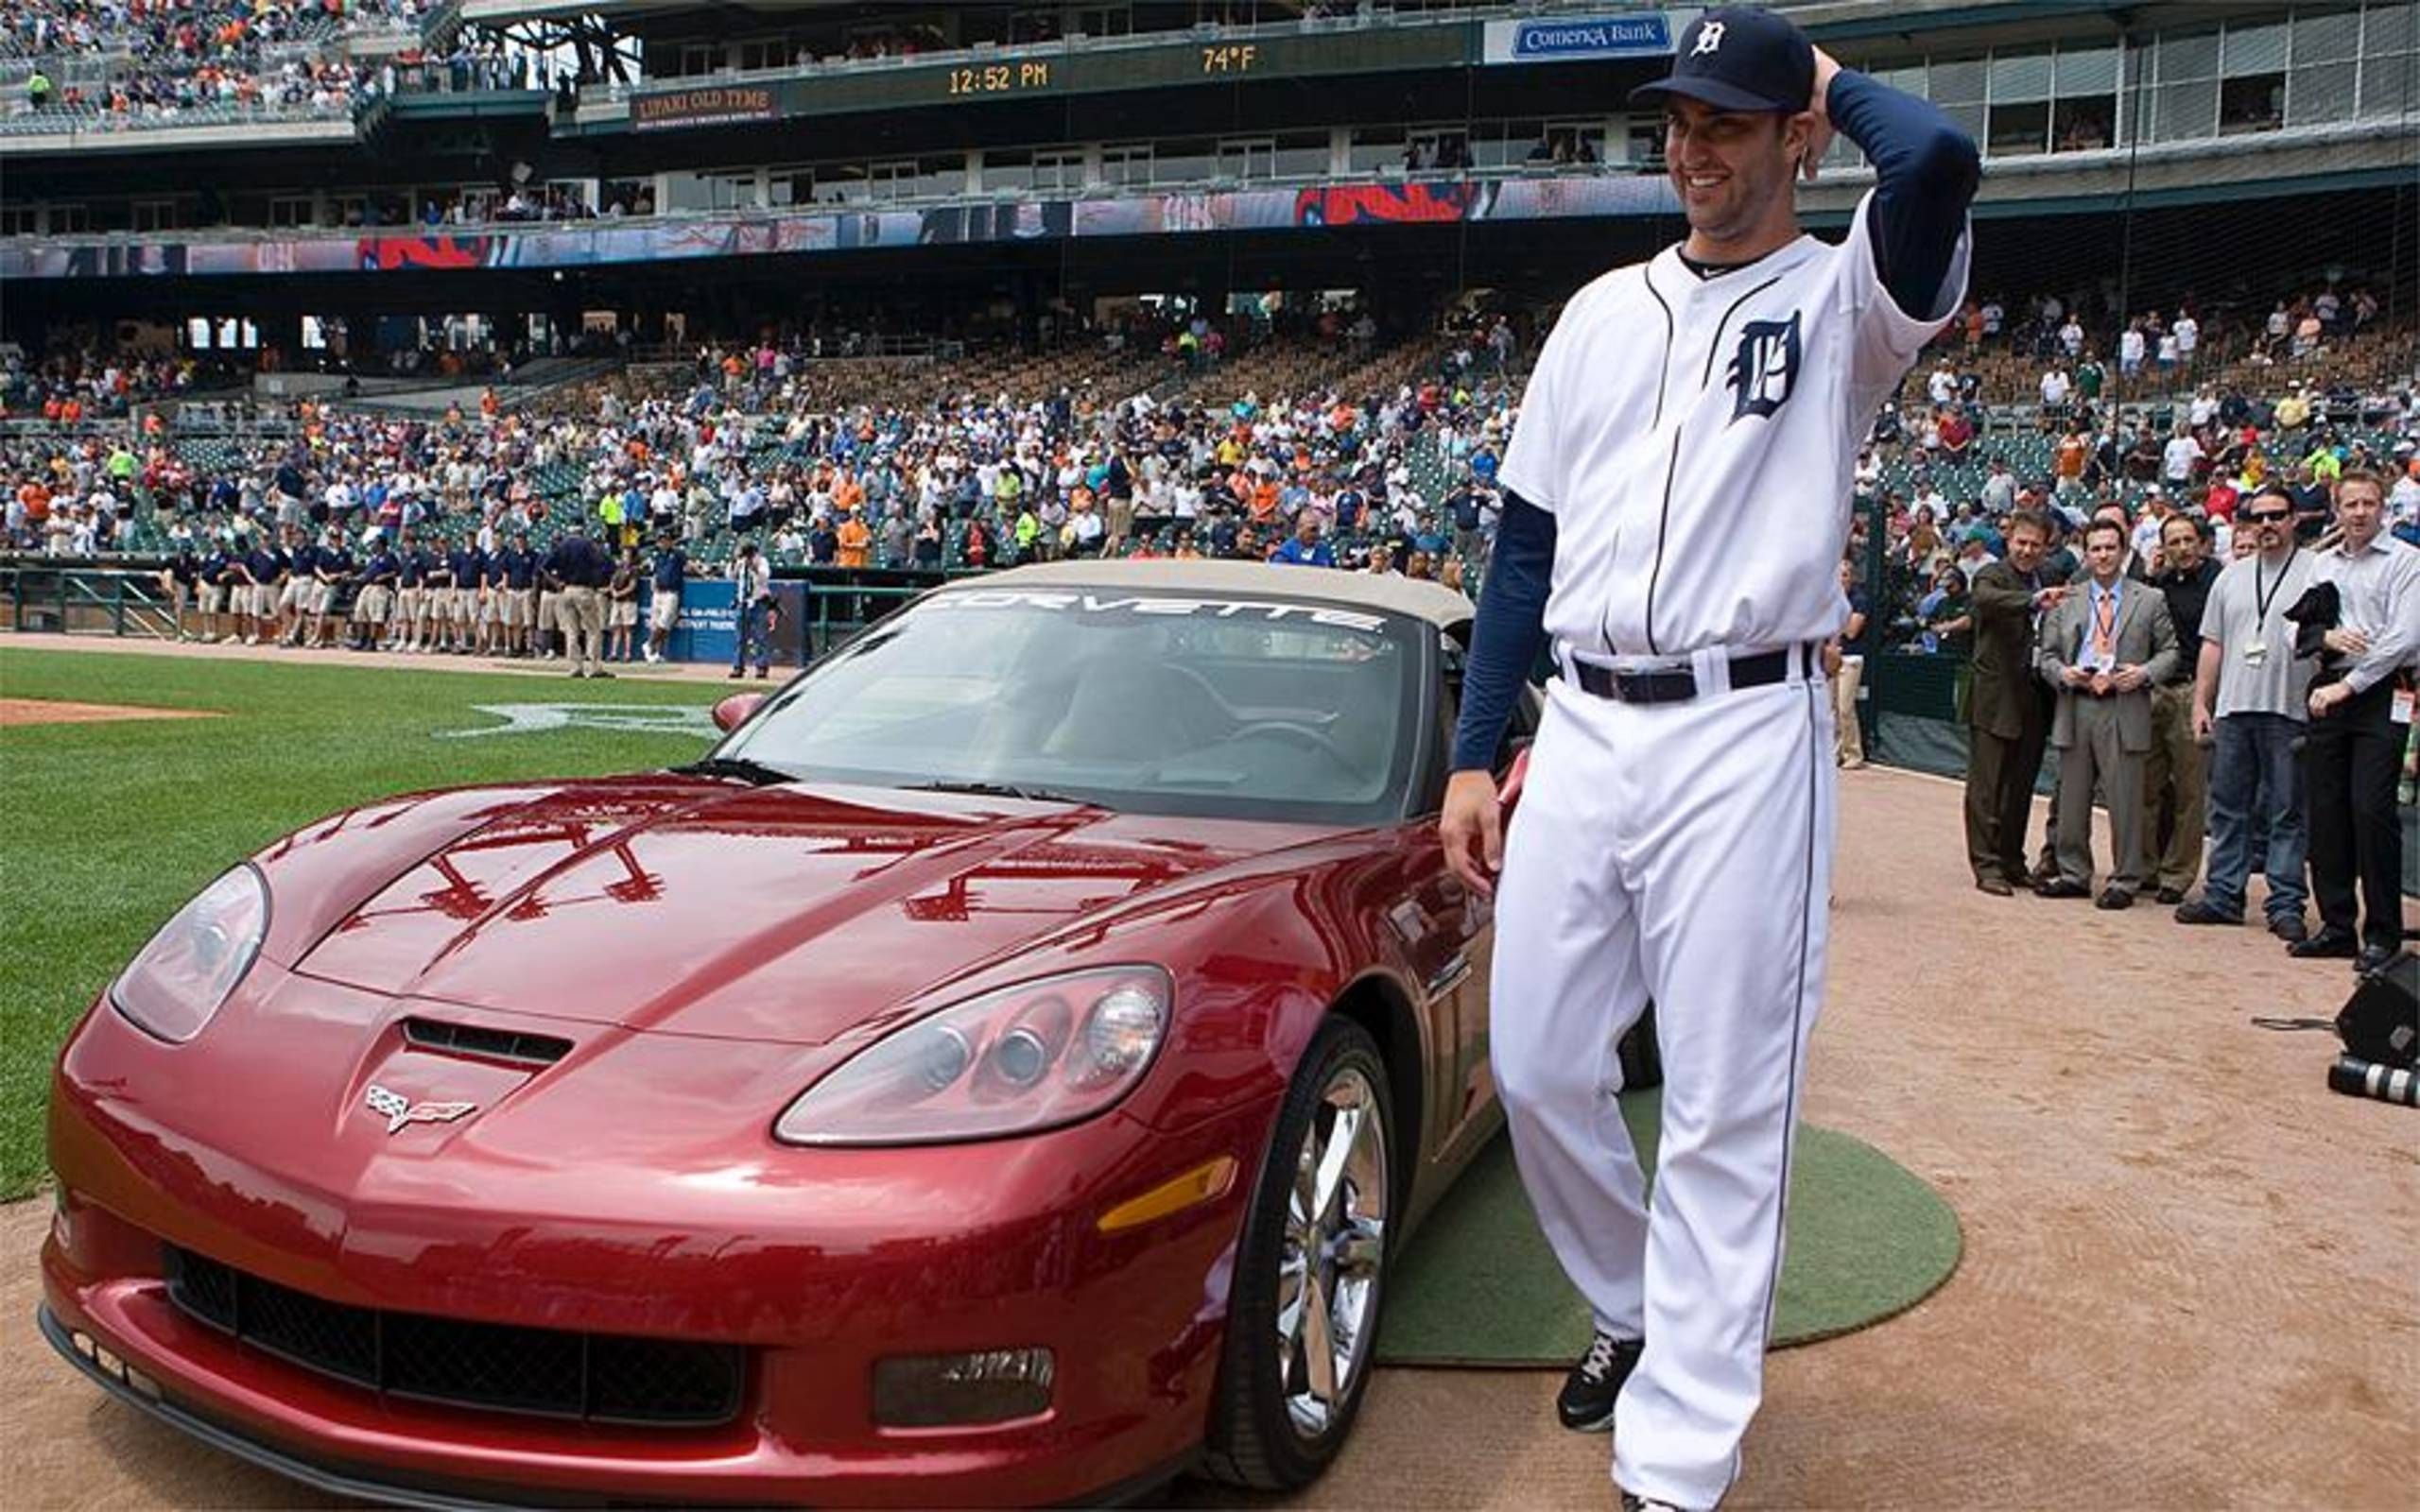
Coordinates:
1739 57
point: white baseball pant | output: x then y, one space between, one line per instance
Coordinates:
1680 852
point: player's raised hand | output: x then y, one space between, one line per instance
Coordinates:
1473 831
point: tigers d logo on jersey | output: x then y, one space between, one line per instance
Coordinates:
1764 368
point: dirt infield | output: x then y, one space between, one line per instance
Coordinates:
52 711
2187 1280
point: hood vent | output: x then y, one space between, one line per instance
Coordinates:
507 1045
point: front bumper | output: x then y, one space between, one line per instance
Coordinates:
922 1253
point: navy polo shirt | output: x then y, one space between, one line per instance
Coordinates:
671 569
413 567
265 565
520 567
467 565
383 568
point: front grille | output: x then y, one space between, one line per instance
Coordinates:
595 1377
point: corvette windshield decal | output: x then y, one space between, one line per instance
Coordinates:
1224 608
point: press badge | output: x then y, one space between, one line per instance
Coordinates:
2255 652
2401 712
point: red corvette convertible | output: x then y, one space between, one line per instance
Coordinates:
1002 1071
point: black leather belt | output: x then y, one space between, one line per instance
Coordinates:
1680 684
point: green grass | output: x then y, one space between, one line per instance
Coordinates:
107 829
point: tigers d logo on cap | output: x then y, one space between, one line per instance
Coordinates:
1739 57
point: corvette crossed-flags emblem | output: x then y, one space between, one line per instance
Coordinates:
399 1111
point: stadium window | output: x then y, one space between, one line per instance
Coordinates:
2019 118
1059 170
20 220
764 52
2185 99
700 58
2084 105
1376 147
2018 129
1248 157
894 181
2390 64
1960 86
2320 82
315 335
2257 103
1008 168
1191 160
289 210
70 221
2252 83
940 177
1127 162
1302 154
155 214
1103 21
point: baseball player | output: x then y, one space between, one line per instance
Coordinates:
1677 498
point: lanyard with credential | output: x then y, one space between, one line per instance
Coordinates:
2262 598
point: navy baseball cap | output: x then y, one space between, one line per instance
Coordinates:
1739 57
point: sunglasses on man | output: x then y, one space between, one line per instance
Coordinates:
2267 517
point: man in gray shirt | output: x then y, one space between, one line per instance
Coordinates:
2249 695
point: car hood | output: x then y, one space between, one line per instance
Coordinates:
788 914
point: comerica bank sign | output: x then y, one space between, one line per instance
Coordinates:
1570 39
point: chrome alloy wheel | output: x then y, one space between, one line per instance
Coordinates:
1334 1252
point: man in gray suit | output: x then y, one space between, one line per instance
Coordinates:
2103 650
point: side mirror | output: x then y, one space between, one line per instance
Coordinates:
733 711
1507 791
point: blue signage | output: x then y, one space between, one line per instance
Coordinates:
1643 34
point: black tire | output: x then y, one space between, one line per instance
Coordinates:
1254 1441
1641 1054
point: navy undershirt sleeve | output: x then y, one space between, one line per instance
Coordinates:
1925 172
1507 631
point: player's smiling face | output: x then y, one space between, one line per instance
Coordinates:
1729 166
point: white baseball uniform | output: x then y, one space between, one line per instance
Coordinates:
1694 438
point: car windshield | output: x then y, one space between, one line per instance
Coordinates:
1149 702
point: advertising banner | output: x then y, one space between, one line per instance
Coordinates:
1578 39
714 105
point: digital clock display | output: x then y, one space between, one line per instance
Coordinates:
999 78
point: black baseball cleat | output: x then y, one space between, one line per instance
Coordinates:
1632 1503
2203 911
2289 928
2062 887
2170 894
1587 1403
2115 898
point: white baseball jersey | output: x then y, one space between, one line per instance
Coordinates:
1695 438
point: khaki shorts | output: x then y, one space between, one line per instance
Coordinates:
323 597
622 613
547 613
521 607
665 612
462 605
376 604
407 604
262 599
214 597
296 595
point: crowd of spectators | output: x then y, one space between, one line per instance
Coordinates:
187 31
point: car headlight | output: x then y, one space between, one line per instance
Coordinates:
1015 1061
173 986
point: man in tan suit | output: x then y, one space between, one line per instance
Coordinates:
2103 650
